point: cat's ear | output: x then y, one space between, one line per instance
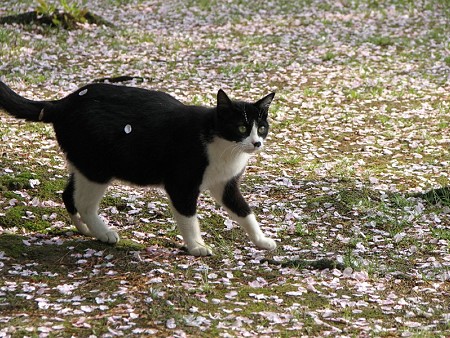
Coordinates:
265 102
223 101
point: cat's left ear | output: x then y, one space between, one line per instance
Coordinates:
265 102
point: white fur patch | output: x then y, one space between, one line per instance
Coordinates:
87 196
250 141
251 226
190 231
226 160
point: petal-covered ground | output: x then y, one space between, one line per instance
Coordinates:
353 183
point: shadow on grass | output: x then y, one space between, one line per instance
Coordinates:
21 250
320 264
436 196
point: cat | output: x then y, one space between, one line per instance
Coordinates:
149 138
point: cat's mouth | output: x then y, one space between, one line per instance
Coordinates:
252 148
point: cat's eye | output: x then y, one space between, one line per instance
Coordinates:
262 130
242 129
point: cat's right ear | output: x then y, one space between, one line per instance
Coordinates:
265 102
223 101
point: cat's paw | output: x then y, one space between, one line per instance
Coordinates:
84 230
265 243
110 236
81 227
200 250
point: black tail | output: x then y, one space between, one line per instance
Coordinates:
22 108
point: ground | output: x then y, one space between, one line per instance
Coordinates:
352 184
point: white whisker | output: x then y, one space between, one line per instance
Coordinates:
225 149
238 148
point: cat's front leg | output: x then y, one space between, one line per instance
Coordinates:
229 196
190 231
184 205
251 226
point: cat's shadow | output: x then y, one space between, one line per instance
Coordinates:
64 253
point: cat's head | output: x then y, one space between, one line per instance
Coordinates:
243 123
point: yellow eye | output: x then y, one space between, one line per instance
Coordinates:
242 129
262 130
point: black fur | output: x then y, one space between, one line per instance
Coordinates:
165 146
67 196
21 107
232 198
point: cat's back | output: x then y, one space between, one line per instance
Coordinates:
111 96
105 108
106 113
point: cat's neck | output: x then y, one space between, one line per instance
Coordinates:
226 160
224 150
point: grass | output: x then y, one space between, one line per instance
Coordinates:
328 56
354 175
380 40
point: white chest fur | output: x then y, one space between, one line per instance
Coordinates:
226 160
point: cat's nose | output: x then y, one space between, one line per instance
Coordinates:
257 144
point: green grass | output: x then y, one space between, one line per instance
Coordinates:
328 56
438 196
380 40
30 218
447 60
359 127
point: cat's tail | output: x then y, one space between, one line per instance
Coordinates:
22 108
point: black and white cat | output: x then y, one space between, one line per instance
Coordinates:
149 138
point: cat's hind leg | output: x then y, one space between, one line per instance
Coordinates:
87 197
229 196
69 202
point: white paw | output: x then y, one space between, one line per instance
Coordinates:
200 250
265 243
81 227
84 230
110 236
